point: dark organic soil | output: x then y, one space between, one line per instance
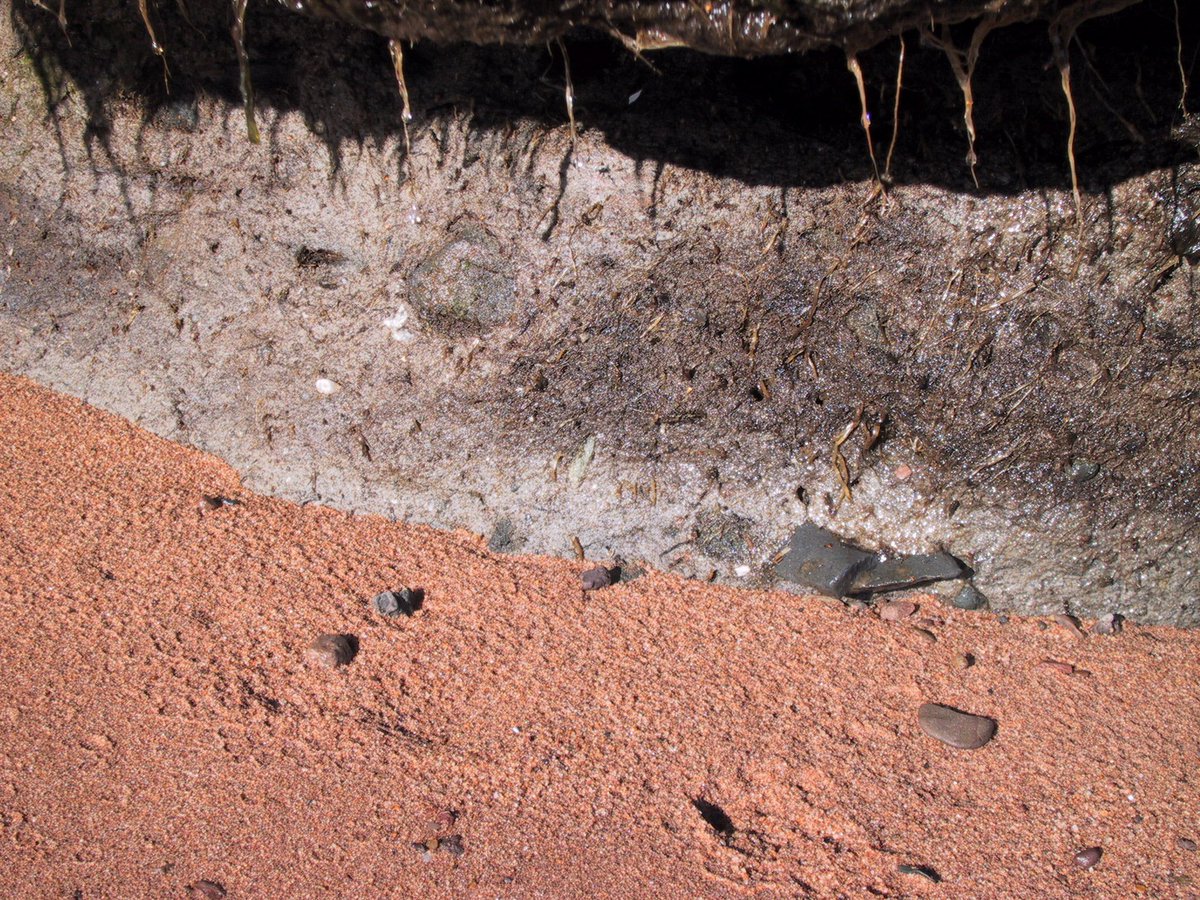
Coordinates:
706 284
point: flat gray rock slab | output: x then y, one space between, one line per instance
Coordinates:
954 727
818 559
908 571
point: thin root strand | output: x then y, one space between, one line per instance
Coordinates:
865 119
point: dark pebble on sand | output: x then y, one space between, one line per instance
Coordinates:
954 727
206 890
969 597
597 578
923 871
215 501
1085 859
395 603
331 650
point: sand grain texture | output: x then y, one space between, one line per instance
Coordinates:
161 726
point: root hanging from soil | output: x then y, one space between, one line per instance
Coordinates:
568 87
887 164
154 43
1183 79
397 53
865 119
1062 32
1063 61
239 42
62 15
963 66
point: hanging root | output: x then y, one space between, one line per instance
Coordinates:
154 44
62 13
887 165
1183 81
963 66
1063 61
568 88
865 120
406 115
239 42
1062 32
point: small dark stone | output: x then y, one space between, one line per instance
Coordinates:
818 559
1186 844
969 597
215 501
405 602
453 845
501 539
923 871
597 578
906 572
331 650
954 727
315 257
1085 859
206 890
1083 470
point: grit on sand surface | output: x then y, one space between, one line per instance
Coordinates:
160 724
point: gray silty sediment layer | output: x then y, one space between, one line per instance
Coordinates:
652 340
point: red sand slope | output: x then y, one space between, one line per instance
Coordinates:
161 724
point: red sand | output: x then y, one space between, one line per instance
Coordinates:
161 723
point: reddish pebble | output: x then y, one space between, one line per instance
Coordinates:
1085 859
205 890
895 610
903 472
1069 623
1064 668
330 650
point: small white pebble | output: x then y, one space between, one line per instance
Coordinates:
741 571
326 386
398 326
633 98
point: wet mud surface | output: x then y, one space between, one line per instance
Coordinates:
673 340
